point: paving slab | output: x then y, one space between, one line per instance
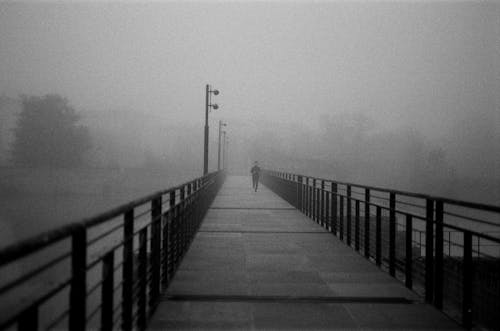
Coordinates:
258 264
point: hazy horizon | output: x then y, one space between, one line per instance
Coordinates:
332 82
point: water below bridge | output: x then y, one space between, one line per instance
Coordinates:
258 263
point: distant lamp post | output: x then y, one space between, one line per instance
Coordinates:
208 105
221 124
224 149
226 154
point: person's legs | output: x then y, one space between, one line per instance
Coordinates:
255 180
256 183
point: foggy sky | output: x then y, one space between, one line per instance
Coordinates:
429 66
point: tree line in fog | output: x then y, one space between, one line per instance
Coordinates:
47 131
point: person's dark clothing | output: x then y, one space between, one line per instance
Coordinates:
255 176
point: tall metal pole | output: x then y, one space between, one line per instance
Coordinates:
208 105
226 153
224 150
218 153
205 150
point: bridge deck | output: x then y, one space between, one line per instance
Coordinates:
257 263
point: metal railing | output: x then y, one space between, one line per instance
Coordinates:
107 271
433 244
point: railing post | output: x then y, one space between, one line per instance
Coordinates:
378 237
438 261
176 229
392 234
182 220
334 208
429 251
306 194
341 217
155 249
311 198
28 321
78 291
318 203
165 250
171 234
328 220
299 194
467 275
367 223
107 291
128 270
142 276
356 225
314 199
322 204
409 252
190 224
349 215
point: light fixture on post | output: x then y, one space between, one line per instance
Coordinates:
224 150
221 124
208 105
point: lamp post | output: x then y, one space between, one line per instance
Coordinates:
221 124
226 153
208 105
224 150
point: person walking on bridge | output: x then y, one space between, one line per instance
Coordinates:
255 175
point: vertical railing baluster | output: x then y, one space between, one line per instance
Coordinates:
322 204
392 234
155 285
28 320
438 260
178 231
378 237
317 204
171 234
467 283
182 220
314 199
164 250
367 223
306 194
341 217
409 252
78 290
311 198
128 270
175 230
299 194
328 221
142 276
349 215
356 225
334 208
107 291
429 251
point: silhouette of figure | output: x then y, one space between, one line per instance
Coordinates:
255 175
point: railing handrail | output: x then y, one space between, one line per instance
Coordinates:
414 195
148 248
352 219
457 202
27 246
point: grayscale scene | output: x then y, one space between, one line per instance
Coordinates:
250 165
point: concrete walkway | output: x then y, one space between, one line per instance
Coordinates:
257 263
